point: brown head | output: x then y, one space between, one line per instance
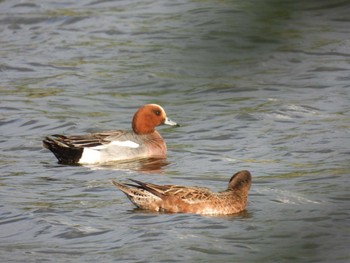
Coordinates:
148 117
240 181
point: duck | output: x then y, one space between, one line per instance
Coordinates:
184 199
143 141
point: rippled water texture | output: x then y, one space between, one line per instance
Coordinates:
257 85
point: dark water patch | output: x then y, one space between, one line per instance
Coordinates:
24 21
25 5
76 233
4 67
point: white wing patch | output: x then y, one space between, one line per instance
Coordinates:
129 144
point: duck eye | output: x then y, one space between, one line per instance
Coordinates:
157 112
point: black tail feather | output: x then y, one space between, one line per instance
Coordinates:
64 153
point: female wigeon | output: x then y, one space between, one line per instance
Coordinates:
142 142
196 200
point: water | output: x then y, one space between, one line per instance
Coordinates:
257 85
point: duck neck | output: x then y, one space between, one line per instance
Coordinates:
144 129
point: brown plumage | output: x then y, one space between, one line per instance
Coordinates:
183 199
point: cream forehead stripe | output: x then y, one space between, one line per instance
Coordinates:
156 105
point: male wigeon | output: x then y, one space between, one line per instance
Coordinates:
196 200
142 142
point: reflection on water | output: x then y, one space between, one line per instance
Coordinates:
149 165
257 85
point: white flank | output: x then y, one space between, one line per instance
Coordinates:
97 154
90 156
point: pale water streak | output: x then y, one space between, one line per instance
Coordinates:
257 85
